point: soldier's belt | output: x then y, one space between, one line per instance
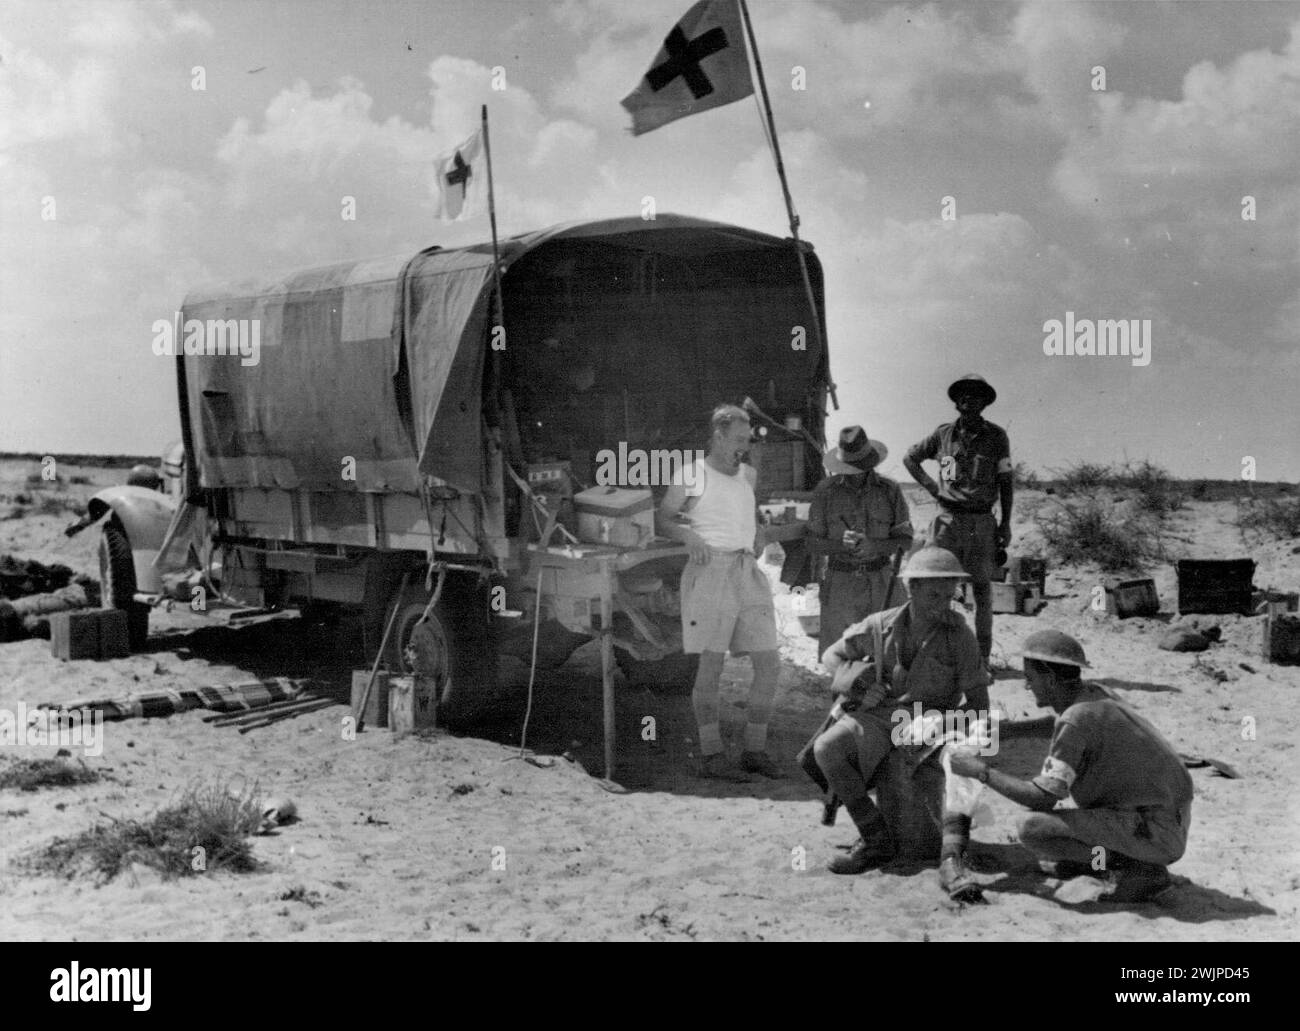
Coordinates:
869 565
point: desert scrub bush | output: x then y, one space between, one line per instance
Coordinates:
57 504
1083 477
1025 478
1089 531
1274 517
211 817
33 774
1153 489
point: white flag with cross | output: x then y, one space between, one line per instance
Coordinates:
461 176
702 64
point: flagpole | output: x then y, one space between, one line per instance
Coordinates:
492 217
789 204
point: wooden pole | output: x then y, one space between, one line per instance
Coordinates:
789 203
379 655
607 659
498 306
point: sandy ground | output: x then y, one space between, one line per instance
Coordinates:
440 837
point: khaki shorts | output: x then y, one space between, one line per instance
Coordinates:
971 537
727 606
1153 836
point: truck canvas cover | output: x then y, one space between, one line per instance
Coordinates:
378 366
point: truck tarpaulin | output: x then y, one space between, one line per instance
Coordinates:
378 365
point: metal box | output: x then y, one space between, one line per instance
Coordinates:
1126 598
1215 586
616 516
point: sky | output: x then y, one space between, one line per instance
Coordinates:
122 187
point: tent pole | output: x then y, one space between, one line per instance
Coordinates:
789 204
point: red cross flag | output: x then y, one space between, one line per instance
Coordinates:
461 175
702 64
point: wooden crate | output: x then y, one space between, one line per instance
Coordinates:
75 635
780 466
90 634
1215 586
1026 570
1125 598
1282 638
377 705
412 704
114 635
1008 597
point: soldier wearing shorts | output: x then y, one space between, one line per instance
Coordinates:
1134 795
726 599
974 459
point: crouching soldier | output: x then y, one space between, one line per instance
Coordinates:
1133 793
921 651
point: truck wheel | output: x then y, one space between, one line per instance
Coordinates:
453 649
117 584
671 676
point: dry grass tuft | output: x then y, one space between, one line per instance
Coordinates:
208 817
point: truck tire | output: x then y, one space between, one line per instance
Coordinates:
672 676
454 648
117 583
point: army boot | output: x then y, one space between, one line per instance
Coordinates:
876 847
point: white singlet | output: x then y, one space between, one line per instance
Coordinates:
723 513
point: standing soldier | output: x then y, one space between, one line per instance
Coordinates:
726 600
858 520
974 459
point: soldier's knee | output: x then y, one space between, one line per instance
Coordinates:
1038 827
828 750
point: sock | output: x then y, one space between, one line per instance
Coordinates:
710 739
755 737
956 835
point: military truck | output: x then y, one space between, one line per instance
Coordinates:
362 434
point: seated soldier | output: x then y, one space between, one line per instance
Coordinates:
1133 793
927 654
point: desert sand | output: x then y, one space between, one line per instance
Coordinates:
398 836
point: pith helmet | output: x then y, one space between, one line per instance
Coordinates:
933 563
973 382
1054 646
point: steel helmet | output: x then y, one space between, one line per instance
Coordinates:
1053 646
144 476
973 382
931 563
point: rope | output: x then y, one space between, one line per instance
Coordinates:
532 665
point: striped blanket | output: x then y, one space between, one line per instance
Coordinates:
246 696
